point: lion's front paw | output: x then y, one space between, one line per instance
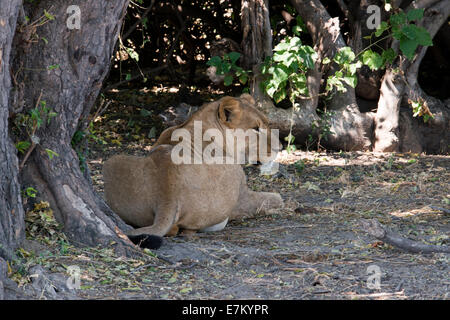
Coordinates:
270 201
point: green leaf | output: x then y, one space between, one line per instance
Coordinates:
398 19
234 56
423 37
282 56
186 290
381 28
145 113
279 95
31 192
270 90
352 67
352 81
409 31
280 73
243 78
53 66
132 53
294 43
300 22
297 30
48 15
372 59
226 67
214 61
228 80
335 81
388 56
326 60
51 154
415 14
344 55
397 32
22 146
408 47
281 46
308 56
289 138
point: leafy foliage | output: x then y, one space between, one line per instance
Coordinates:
227 66
401 26
286 70
420 108
28 124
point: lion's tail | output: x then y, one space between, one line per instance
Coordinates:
147 241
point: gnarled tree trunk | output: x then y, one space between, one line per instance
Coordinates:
257 45
400 82
82 58
351 129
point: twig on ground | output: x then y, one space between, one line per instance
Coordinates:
377 230
447 211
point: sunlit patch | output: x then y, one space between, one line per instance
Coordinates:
412 212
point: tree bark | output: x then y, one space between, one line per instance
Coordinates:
12 223
256 41
395 86
369 81
351 129
82 58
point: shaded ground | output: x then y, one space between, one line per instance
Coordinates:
313 248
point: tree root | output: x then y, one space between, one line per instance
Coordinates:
377 230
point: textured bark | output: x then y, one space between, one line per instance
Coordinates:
397 85
11 211
351 129
256 42
368 81
70 90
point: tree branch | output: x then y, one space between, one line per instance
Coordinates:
134 26
377 230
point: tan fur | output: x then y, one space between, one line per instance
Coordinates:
159 197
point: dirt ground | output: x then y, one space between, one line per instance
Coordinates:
313 248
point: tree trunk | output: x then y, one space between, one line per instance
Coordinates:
369 81
351 130
11 211
257 45
82 58
389 136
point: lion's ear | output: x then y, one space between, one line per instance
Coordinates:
230 111
248 98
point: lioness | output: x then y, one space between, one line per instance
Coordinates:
160 197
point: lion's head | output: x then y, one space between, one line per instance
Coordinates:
231 128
